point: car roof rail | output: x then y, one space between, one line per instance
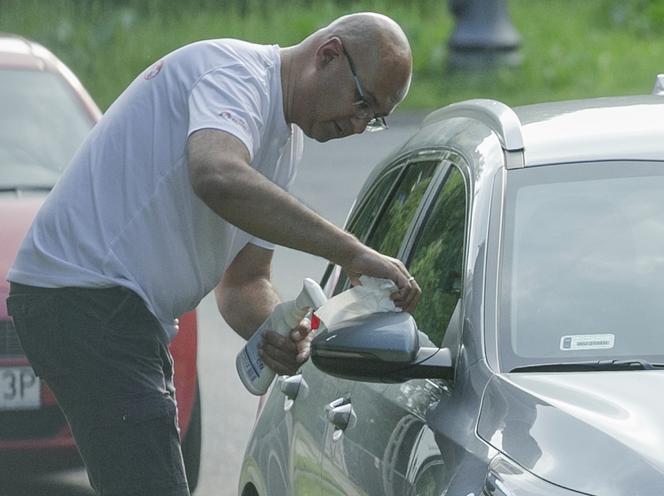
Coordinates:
659 85
498 117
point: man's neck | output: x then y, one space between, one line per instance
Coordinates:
287 82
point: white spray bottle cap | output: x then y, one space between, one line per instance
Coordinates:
311 296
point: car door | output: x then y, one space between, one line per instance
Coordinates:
306 416
391 450
354 455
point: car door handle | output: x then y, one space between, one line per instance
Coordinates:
290 386
340 413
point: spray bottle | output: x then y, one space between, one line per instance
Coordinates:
255 375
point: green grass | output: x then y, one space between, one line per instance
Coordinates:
570 49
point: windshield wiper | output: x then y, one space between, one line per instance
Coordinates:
593 365
18 189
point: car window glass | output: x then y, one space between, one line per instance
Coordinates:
370 208
41 125
437 259
397 214
582 272
393 223
362 221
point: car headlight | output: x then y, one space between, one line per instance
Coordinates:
506 478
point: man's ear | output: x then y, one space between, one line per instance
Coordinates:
328 51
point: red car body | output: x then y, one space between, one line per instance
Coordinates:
41 432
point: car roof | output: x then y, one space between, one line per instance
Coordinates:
619 128
614 128
17 52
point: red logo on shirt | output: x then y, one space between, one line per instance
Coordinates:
154 70
234 118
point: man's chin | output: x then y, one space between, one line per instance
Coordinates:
320 138
318 134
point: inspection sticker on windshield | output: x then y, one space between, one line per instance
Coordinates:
587 342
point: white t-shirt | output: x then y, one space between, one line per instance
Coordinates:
124 211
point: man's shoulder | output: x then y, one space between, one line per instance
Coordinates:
223 51
227 60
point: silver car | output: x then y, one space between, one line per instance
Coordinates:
534 362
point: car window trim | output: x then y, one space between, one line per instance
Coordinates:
403 163
449 161
333 270
397 167
399 170
418 157
406 250
440 170
493 268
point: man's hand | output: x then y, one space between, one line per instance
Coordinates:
369 262
285 354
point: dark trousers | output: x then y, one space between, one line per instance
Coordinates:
106 359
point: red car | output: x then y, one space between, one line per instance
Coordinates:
46 114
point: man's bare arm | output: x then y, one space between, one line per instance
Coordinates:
222 177
245 298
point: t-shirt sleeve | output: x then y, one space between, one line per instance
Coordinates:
262 243
229 99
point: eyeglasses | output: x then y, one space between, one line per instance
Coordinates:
363 109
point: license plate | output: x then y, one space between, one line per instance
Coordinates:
20 389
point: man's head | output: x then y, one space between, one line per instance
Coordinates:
347 76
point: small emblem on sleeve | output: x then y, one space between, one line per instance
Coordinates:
234 118
154 70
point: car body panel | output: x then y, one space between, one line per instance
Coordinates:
15 219
17 52
393 464
293 438
586 431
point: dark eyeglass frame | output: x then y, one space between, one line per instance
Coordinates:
366 112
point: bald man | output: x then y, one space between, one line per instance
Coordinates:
181 188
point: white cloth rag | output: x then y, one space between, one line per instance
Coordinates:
372 296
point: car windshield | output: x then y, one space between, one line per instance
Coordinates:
582 264
42 123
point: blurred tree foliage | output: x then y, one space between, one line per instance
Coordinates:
643 17
571 48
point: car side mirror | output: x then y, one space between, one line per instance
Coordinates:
382 347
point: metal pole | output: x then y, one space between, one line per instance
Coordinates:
483 35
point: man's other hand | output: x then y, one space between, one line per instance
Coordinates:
285 354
